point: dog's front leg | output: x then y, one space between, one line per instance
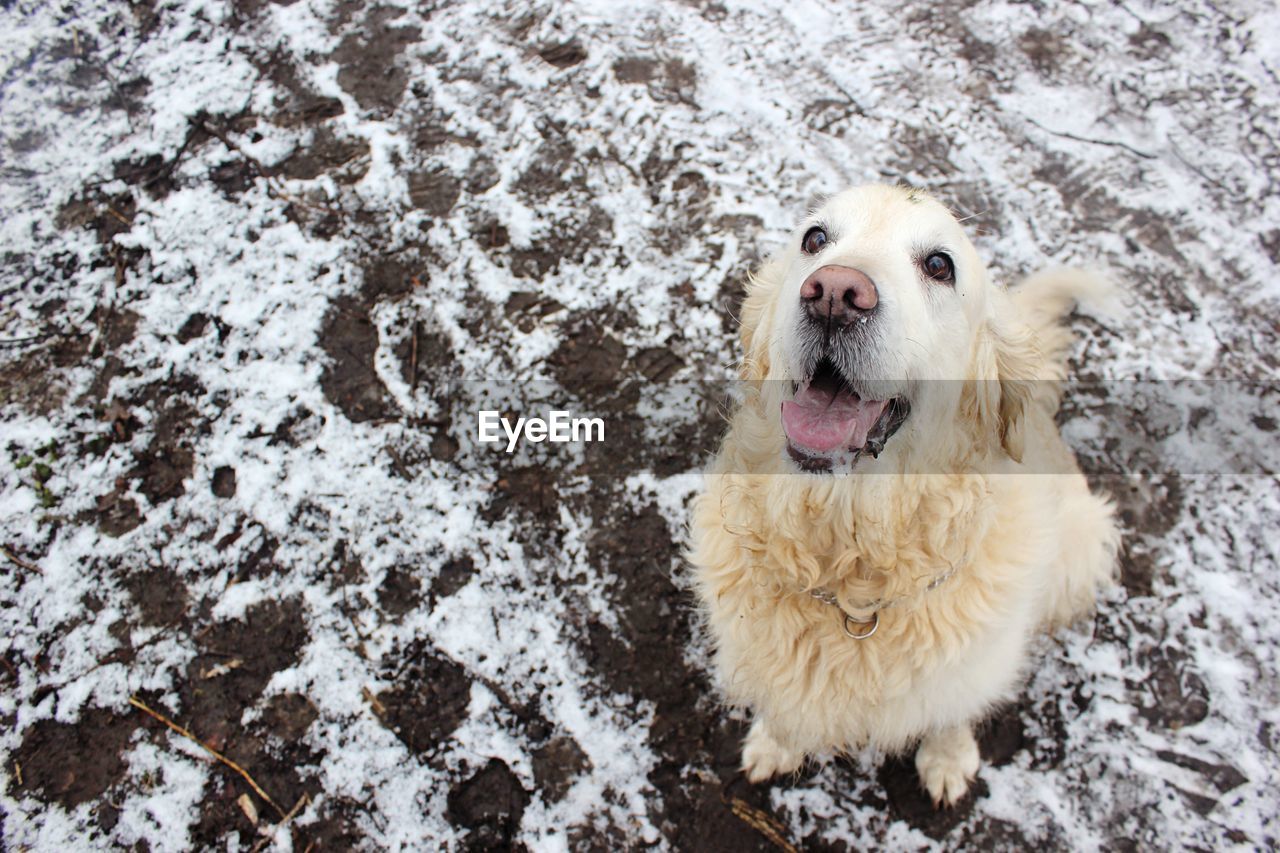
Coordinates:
947 761
764 756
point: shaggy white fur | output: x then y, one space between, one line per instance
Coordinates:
977 482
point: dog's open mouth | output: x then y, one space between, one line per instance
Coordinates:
827 422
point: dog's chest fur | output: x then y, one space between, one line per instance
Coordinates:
938 656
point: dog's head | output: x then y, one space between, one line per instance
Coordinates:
880 328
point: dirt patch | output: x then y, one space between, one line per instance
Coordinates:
287 771
390 277
430 129
489 805
296 104
160 470
234 662
257 552
163 468
1223 777
116 513
1148 508
645 660
338 825
1048 51
73 763
564 55
555 764
555 167
193 327
453 576
425 353
528 493
106 215
349 381
152 174
428 701
434 192
1173 696
346 160
671 80
160 594
32 382
289 715
400 592
367 55
482 175
224 482
34 379
635 69
588 355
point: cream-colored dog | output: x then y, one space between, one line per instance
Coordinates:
893 514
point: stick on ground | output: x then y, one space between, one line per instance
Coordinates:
186 733
763 823
18 561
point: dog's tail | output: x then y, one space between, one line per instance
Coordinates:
1045 299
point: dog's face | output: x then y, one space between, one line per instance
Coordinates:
877 294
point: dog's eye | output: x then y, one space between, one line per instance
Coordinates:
939 268
814 241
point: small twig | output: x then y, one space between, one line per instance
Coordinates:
26 339
17 774
172 165
374 702
246 804
115 88
293 812
345 609
19 562
761 822
413 358
222 137
118 260
1201 172
397 462
115 655
274 185
186 733
1107 142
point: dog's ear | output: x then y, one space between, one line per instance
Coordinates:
754 321
1016 360
1005 363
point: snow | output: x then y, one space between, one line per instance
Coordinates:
1138 138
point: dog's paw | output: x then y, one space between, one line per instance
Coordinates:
947 761
763 757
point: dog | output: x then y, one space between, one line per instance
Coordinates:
893 515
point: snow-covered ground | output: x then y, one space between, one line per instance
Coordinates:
252 249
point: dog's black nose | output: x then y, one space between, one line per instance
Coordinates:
839 295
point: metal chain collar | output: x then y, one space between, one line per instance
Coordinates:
826 596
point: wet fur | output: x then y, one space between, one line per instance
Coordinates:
1030 549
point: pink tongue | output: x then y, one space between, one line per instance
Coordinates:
818 421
